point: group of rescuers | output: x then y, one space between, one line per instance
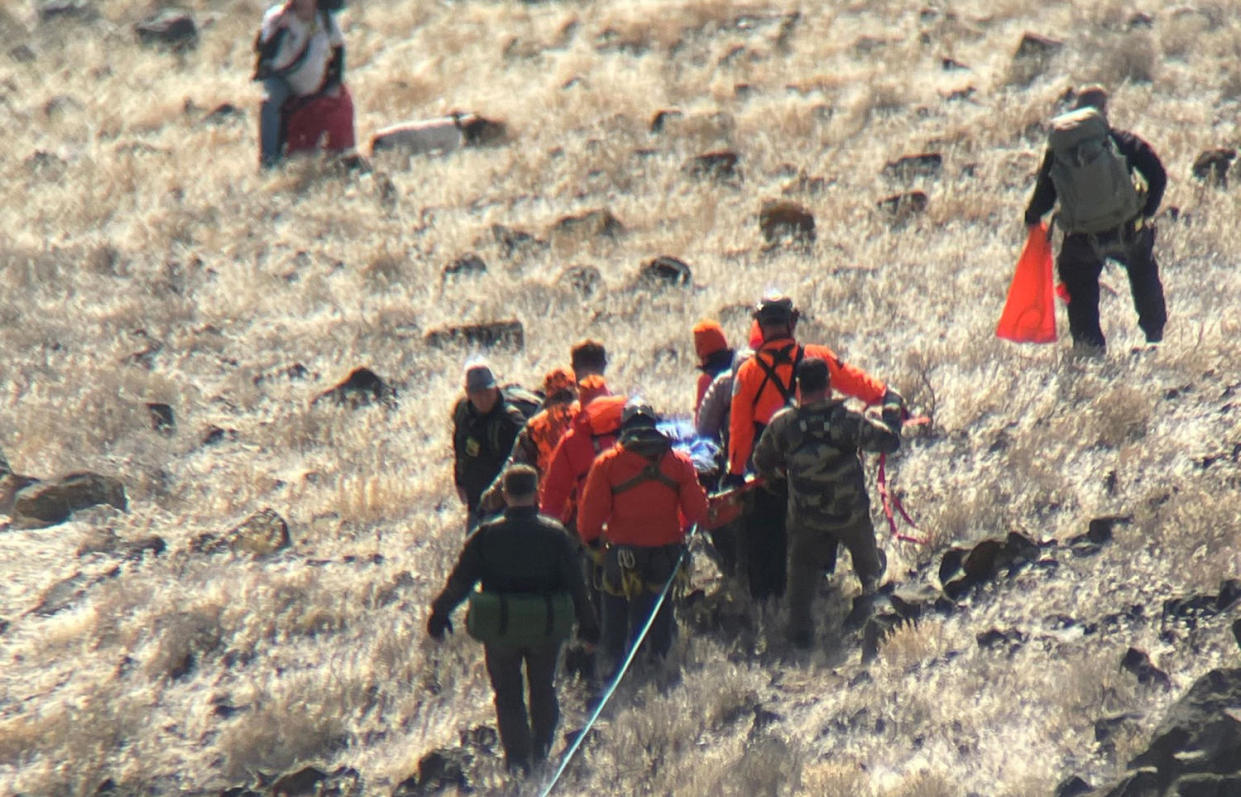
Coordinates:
594 502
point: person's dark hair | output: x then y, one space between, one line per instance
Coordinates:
590 356
520 481
813 376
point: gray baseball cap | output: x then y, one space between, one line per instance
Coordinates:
479 377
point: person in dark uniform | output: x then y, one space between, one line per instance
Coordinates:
521 553
484 428
1104 216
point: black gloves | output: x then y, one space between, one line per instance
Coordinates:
894 411
733 481
437 626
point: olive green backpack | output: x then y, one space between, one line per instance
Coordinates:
1093 183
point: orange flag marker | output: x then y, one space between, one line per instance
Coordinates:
1030 312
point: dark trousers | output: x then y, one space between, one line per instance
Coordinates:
812 554
525 740
766 542
623 619
1081 261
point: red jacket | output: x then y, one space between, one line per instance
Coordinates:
592 432
649 513
757 397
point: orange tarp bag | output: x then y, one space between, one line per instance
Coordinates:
1030 312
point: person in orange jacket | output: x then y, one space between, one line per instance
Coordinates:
714 356
537 440
640 495
593 431
763 385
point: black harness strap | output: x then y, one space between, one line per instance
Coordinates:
779 357
651 473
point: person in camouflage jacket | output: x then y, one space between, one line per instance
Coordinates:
816 446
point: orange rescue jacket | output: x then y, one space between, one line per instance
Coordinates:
546 429
592 432
764 385
640 511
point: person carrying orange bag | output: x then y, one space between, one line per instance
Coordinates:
1030 312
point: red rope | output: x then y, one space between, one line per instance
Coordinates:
891 503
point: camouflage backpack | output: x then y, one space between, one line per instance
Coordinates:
824 471
1091 176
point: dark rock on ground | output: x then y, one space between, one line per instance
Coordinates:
781 220
984 562
106 541
64 9
293 372
361 388
504 334
262 533
223 113
162 418
1139 663
216 434
52 502
665 270
10 485
314 782
170 27
513 242
878 628
904 204
583 280
598 223
1106 727
953 65
1141 19
4 625
23 54
1036 45
996 639
438 770
1073 786
927 164
1236 632
661 118
720 165
1211 166
1196 750
468 265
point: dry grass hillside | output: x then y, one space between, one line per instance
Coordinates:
144 259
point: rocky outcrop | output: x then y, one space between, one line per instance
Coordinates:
361 388
665 271
598 223
49 503
1211 166
490 334
1196 750
907 167
963 569
262 533
781 220
168 27
450 769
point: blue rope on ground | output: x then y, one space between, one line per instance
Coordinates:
620 674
